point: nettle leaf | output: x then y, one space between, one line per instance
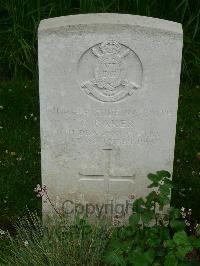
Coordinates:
144 258
180 238
164 234
183 250
138 205
118 245
171 260
153 242
134 219
128 232
162 174
150 200
174 213
113 258
170 244
147 216
177 225
154 178
183 244
165 190
163 200
154 184
168 182
196 242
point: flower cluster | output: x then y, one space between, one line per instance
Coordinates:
2 232
191 224
186 215
116 220
40 191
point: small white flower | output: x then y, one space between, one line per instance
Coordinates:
31 115
1 107
182 209
197 225
2 232
26 243
1 127
187 223
161 182
35 118
25 117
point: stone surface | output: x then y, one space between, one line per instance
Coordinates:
109 88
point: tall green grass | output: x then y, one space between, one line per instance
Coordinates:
57 243
20 19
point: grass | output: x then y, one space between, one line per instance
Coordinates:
54 244
19 148
186 174
20 20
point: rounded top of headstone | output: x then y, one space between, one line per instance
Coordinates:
110 18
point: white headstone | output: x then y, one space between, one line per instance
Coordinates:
109 86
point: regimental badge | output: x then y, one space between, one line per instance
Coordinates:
110 82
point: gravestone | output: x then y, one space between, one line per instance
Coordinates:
109 87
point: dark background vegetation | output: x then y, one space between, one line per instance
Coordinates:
19 102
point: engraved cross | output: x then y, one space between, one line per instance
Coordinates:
107 177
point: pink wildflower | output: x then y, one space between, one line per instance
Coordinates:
41 191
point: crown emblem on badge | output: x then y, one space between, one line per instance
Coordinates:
110 82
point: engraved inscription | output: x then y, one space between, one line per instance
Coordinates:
112 76
105 126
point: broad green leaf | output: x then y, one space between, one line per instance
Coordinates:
165 190
147 216
170 244
138 205
180 238
174 213
196 242
154 184
171 260
183 250
134 219
162 174
144 258
153 178
177 225
113 258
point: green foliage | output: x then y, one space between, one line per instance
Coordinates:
153 237
20 20
150 238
